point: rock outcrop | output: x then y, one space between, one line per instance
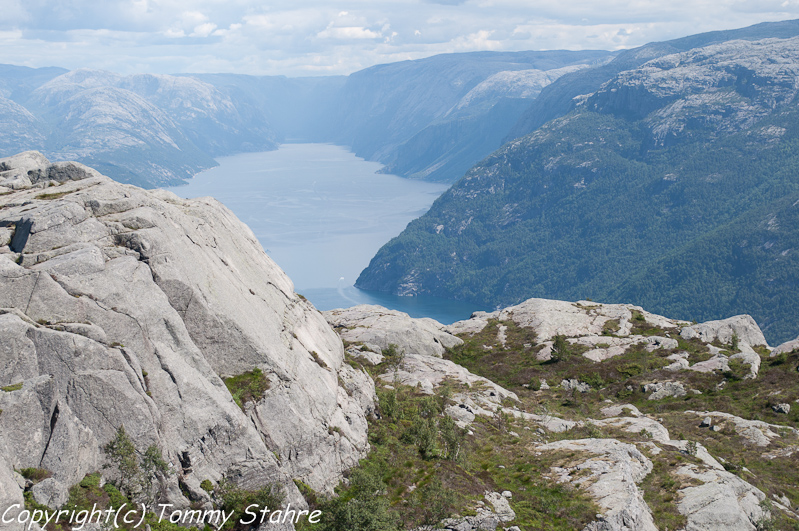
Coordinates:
378 327
120 306
611 476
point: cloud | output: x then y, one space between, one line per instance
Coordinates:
347 32
311 37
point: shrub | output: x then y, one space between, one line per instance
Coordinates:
361 508
393 356
235 499
136 476
561 347
35 474
737 371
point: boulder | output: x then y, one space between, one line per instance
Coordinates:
723 330
721 501
382 327
781 408
753 432
662 390
549 318
574 385
785 348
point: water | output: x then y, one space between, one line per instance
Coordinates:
321 213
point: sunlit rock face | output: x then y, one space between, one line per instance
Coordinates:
120 306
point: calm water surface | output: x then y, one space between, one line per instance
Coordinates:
321 213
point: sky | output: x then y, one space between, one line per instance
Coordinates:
316 37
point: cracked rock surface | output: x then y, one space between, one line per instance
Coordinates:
120 306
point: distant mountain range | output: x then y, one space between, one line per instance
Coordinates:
662 175
171 127
667 178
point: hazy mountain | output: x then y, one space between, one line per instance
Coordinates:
390 113
298 108
673 184
91 119
16 82
150 130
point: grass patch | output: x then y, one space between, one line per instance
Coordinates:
53 195
247 387
12 388
35 474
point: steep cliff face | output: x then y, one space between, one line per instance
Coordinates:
127 307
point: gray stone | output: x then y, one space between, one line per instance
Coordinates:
781 408
753 432
660 390
619 410
723 330
501 506
574 385
785 348
721 501
641 425
706 422
128 308
610 479
382 327
482 396
51 492
549 318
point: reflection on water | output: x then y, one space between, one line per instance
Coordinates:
321 213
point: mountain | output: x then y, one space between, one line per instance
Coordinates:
673 185
558 99
466 102
175 124
298 108
159 367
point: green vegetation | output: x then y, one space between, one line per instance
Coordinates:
232 498
52 195
12 388
137 475
247 387
422 468
621 378
89 495
35 474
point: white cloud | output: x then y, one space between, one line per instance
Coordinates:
347 32
306 37
204 30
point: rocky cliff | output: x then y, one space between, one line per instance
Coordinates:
123 307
